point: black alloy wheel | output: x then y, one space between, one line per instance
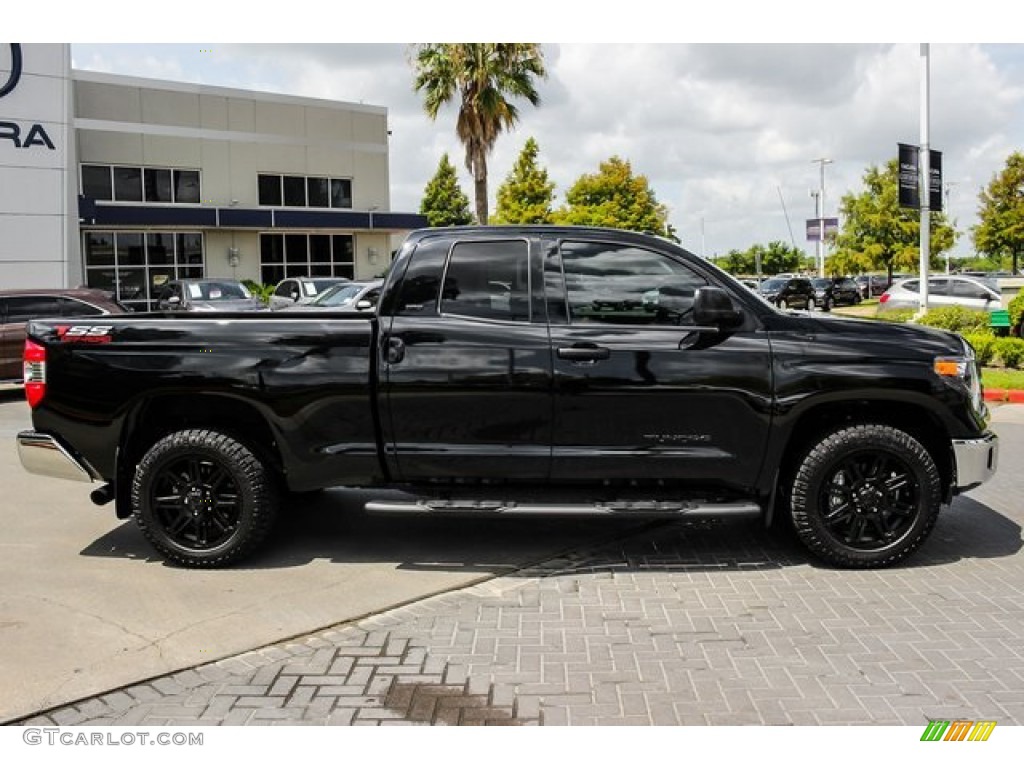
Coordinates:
866 496
203 499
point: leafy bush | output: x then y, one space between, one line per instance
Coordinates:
261 292
956 318
1010 351
984 346
1016 307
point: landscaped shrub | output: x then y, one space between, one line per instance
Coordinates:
956 318
1016 307
1010 351
984 346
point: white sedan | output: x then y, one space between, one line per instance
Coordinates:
943 291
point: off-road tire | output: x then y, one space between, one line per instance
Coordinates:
865 496
203 499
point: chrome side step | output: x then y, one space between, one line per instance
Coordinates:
616 508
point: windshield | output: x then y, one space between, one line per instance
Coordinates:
338 295
317 286
821 282
772 284
218 291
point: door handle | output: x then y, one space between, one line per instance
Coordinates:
394 350
584 353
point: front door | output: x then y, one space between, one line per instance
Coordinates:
640 393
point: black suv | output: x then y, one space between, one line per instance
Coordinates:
835 292
789 292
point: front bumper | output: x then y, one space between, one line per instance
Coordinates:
975 461
43 454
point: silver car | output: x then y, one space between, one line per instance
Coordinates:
360 296
943 291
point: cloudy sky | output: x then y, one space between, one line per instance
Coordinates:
727 133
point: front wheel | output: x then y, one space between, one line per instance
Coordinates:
783 305
866 496
203 499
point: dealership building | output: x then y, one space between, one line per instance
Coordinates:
123 183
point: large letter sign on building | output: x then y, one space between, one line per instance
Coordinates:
38 224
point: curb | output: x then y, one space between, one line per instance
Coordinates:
994 395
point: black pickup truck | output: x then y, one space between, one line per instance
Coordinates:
517 370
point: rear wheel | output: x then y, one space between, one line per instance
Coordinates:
865 496
203 499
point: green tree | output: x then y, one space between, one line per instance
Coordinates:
527 195
483 77
614 197
1000 231
444 203
878 234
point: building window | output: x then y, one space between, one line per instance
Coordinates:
96 182
127 184
301 255
304 191
158 185
131 184
135 266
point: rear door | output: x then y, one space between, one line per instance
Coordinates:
641 393
466 364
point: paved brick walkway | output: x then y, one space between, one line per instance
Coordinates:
686 623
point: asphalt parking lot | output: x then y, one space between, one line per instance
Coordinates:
467 622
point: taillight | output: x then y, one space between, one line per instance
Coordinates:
35 372
883 298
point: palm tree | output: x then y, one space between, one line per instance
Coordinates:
484 76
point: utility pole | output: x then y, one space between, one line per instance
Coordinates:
820 205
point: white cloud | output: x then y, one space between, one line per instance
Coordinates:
721 131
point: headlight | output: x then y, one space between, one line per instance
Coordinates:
965 370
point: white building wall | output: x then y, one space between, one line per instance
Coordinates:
38 209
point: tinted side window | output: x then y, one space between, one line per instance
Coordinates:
22 308
939 287
421 284
285 289
489 280
622 285
76 308
965 289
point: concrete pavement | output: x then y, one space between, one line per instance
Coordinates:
703 623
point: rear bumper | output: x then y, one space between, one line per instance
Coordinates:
43 454
976 461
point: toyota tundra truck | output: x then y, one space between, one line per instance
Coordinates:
521 370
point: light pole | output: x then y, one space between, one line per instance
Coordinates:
820 197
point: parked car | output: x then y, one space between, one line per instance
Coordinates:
17 307
352 295
871 285
947 290
835 292
788 292
301 290
208 294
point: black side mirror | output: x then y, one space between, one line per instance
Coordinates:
713 306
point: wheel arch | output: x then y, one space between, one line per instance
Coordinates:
160 415
915 419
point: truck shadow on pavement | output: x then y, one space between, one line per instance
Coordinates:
333 527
